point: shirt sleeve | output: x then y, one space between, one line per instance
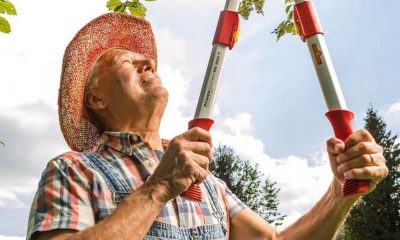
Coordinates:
62 200
233 203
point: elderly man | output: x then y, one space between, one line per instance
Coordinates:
123 182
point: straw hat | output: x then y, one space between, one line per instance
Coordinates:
102 33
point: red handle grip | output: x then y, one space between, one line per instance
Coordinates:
194 191
341 123
227 29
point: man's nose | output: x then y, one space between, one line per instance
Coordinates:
146 65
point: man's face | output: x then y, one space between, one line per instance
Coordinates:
124 80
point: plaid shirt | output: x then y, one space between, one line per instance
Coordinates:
72 195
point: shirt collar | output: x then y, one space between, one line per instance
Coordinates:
124 142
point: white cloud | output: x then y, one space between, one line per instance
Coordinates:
241 124
9 199
394 108
174 120
172 49
392 117
32 138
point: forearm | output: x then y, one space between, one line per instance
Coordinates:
322 221
131 219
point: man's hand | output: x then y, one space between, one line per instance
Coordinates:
184 162
360 157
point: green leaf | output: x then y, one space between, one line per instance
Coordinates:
4 25
7 8
150 0
2 143
287 9
247 6
287 25
120 8
113 4
290 16
132 4
139 11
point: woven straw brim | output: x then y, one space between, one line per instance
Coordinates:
105 32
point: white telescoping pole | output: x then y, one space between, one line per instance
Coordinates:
224 39
310 30
208 94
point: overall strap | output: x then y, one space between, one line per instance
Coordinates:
117 185
208 219
218 213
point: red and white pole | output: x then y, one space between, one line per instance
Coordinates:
225 38
310 30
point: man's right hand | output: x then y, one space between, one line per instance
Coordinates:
184 162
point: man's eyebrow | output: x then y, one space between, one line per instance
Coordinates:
116 60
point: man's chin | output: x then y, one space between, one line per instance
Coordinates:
159 93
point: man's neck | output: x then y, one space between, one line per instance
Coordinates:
146 126
152 138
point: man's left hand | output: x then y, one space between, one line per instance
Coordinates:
359 157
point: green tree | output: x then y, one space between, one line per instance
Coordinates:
6 7
248 184
377 215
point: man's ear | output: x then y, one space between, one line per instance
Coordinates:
93 101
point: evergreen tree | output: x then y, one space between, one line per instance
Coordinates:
248 184
377 215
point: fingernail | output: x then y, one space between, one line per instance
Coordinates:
339 158
348 176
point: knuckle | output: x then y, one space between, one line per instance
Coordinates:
173 141
365 134
197 130
365 159
351 141
202 175
192 169
184 155
385 171
351 173
207 134
367 172
331 141
208 148
364 147
180 145
176 140
344 167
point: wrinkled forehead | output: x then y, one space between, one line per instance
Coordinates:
109 58
112 56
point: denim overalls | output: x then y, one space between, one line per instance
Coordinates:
160 230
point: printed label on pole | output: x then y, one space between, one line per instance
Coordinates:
317 54
210 89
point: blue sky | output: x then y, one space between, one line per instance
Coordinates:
270 108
